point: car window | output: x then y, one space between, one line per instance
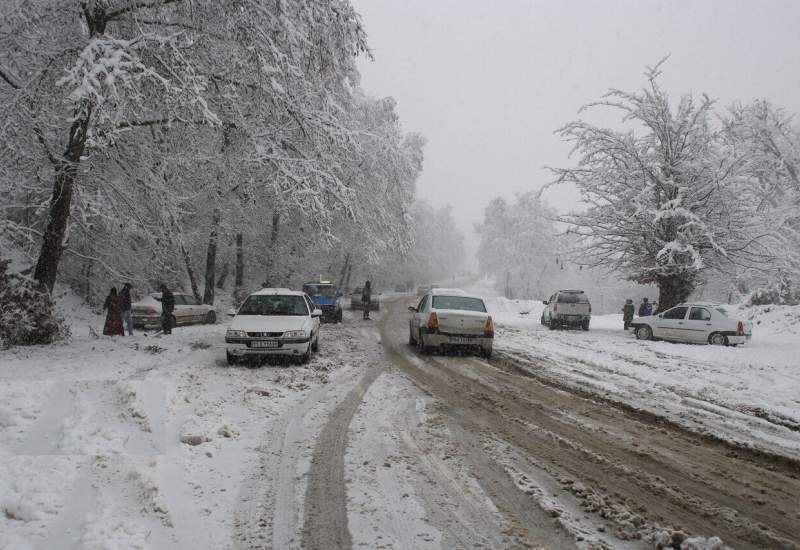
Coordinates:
572 298
676 312
326 291
274 304
180 300
458 302
700 314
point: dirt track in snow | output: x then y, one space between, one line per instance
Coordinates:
639 475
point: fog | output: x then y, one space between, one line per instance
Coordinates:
488 82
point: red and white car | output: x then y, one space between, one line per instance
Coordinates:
699 323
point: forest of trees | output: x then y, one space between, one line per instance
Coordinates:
686 198
203 144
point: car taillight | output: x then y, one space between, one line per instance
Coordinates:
488 328
740 328
433 321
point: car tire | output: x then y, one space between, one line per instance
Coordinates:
315 344
486 353
542 321
643 332
552 325
423 349
211 318
585 325
232 359
717 339
306 357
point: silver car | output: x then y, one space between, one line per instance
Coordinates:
698 323
147 311
451 319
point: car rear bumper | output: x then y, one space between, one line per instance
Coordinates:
571 319
243 348
735 338
458 340
149 321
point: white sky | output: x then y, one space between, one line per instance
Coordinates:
488 82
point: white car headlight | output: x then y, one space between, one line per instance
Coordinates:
236 334
294 334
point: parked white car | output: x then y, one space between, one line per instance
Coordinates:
450 319
147 312
699 323
274 321
567 308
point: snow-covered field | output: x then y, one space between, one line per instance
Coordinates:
749 394
139 442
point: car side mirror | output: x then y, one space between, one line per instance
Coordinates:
231 313
412 309
661 316
316 313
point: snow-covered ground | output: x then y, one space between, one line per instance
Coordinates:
143 441
749 394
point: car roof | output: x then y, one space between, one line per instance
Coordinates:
572 291
452 292
277 291
702 304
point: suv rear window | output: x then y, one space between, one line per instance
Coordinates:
572 298
458 302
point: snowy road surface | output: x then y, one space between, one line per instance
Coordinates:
153 442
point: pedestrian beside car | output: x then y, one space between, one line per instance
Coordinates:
113 307
167 300
645 309
627 313
125 298
366 299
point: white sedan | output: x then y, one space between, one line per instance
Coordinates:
697 323
147 312
274 321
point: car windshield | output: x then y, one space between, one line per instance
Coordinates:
274 305
458 302
572 298
326 291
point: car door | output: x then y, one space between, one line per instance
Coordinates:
416 319
670 325
314 320
699 324
193 309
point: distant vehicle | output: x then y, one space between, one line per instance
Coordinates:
325 296
147 312
451 319
699 323
357 304
274 321
567 308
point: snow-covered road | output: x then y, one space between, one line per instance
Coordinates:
154 442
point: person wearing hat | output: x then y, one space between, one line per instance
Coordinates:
627 313
645 309
125 299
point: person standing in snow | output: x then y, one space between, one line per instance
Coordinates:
113 307
627 313
167 300
366 299
125 298
645 309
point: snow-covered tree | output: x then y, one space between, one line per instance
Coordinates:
663 199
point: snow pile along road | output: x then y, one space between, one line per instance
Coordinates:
749 395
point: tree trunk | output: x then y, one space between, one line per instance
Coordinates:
190 271
344 268
270 275
673 291
239 261
211 260
60 202
226 268
347 279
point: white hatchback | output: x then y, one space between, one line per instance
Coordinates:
274 321
697 323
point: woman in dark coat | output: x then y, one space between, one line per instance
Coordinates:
113 304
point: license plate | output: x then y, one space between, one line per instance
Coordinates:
460 340
265 344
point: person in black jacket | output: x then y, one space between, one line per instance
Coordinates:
627 313
366 299
125 298
167 307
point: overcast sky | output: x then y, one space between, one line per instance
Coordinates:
488 82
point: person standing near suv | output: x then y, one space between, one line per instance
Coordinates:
627 313
167 300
